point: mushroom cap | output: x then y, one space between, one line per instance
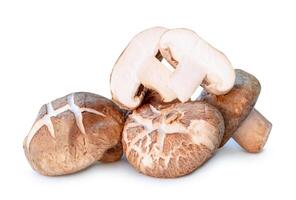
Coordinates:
139 68
196 62
236 105
173 141
73 132
113 154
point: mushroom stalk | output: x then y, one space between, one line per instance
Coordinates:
237 108
185 80
154 75
253 132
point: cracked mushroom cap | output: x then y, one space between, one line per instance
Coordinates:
173 141
139 68
195 61
73 132
236 105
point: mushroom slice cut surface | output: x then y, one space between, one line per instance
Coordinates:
73 132
139 68
196 62
173 141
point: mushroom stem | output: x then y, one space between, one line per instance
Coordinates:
253 132
154 75
185 80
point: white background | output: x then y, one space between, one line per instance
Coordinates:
51 48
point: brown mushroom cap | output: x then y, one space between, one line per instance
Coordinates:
236 105
73 132
113 154
173 141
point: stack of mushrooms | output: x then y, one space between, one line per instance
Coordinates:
151 118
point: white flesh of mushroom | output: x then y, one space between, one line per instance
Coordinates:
138 65
195 61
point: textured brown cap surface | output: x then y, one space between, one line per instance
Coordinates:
173 141
73 132
236 105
